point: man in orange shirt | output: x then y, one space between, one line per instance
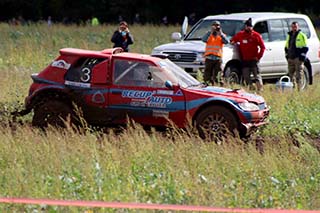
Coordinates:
214 39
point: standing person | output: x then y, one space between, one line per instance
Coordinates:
251 47
214 39
49 21
122 37
95 21
296 50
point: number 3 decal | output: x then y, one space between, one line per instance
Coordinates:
85 75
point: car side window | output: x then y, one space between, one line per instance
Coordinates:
303 25
262 28
277 30
137 73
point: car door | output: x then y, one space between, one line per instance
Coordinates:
139 92
278 31
88 87
267 61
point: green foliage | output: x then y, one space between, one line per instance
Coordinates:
150 11
294 112
135 166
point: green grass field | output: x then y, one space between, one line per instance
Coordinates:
135 166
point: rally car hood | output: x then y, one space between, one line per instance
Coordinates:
229 94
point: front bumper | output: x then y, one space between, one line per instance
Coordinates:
259 120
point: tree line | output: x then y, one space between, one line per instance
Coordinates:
144 11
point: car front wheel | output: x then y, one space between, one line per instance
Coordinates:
216 123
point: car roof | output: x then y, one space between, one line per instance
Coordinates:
115 52
82 52
255 16
137 56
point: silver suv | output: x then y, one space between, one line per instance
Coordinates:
187 52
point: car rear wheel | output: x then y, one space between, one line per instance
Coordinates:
51 112
216 123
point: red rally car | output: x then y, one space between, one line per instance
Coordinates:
110 85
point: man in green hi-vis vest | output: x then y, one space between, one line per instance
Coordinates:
296 52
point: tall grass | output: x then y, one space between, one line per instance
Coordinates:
136 166
140 167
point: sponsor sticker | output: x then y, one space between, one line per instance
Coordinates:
138 103
98 97
165 92
61 64
179 93
77 84
146 98
136 94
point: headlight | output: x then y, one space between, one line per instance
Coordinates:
200 57
247 106
154 51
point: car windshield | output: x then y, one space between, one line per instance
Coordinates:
178 74
229 27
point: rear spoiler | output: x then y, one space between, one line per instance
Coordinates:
160 55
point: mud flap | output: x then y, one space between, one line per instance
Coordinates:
309 67
21 113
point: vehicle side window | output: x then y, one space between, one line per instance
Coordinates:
277 30
81 71
262 28
135 73
303 25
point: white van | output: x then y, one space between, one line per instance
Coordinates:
187 52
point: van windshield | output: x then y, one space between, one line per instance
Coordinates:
229 27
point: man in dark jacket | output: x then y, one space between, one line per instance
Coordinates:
251 48
296 50
122 37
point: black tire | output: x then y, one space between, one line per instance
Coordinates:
51 112
216 123
232 75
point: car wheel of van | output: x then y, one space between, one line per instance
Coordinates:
232 75
51 112
216 123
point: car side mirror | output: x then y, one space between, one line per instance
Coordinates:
168 84
176 36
